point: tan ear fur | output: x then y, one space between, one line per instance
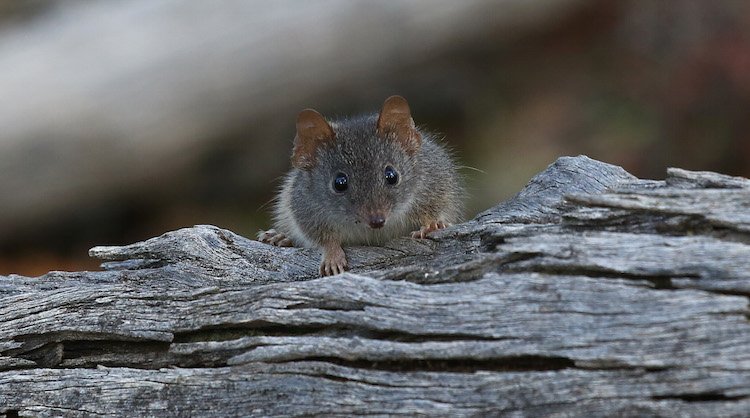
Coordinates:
395 123
312 132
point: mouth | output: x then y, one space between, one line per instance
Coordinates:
376 221
375 216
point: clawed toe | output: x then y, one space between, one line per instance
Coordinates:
333 261
426 229
332 269
274 238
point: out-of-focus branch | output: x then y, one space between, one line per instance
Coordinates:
101 98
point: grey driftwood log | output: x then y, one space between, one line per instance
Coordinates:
590 293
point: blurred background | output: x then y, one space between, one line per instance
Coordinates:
122 120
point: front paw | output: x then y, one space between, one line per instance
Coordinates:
333 261
274 238
426 229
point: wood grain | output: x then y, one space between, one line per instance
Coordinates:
590 293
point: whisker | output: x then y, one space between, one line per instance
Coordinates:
271 200
471 168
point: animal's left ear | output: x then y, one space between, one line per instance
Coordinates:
395 123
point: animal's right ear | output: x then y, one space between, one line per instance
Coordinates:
312 132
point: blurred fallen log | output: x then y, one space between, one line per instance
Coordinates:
101 99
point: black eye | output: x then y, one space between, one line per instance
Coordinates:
340 182
391 176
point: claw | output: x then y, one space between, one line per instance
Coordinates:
274 238
430 227
333 261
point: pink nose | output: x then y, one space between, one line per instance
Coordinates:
376 221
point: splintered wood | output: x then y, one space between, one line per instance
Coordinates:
590 293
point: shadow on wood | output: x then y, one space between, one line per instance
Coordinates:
590 293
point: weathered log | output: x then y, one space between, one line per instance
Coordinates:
590 293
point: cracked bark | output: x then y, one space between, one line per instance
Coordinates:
589 293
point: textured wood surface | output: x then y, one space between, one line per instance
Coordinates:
590 293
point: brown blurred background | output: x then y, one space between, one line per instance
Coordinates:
123 120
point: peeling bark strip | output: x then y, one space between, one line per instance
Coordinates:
590 293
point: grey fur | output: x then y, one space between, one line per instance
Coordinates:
429 189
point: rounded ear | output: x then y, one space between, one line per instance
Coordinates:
395 123
312 132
